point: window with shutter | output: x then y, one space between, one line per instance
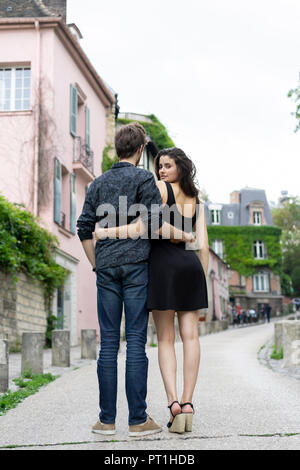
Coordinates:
57 191
73 204
73 110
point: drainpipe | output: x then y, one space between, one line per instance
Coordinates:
36 98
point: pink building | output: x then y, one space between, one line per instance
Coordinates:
54 114
217 288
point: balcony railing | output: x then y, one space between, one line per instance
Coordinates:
83 154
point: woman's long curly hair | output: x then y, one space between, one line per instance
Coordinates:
186 170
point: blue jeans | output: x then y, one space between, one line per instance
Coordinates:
126 284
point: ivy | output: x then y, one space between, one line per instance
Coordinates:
27 247
108 162
156 130
238 247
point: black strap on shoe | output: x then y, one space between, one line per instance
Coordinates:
188 403
174 416
170 407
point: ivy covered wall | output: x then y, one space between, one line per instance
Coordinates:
157 132
238 247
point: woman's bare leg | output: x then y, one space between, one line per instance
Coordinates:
188 328
164 323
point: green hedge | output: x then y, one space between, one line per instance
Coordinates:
27 247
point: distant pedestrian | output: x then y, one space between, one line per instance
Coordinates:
239 313
267 311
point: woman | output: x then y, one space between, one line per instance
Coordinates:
177 281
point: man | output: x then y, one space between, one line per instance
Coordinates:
122 277
267 312
262 312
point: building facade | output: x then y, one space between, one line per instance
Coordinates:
55 112
217 288
242 233
150 152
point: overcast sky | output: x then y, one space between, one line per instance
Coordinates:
215 72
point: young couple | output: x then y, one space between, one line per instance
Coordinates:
159 275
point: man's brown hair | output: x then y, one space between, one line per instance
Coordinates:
129 139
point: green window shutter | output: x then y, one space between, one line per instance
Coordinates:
87 126
73 204
73 110
57 191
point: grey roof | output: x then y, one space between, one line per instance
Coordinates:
252 195
32 8
239 214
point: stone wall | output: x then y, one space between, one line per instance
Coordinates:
22 308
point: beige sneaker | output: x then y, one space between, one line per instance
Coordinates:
145 429
106 429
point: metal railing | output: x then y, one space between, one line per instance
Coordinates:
83 154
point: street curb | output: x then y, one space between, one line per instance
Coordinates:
264 358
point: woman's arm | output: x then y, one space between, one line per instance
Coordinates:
134 230
202 239
137 229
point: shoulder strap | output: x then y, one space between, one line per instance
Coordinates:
171 198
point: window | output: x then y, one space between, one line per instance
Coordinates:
73 110
57 191
219 270
257 218
215 216
218 247
261 282
60 308
144 161
15 88
87 127
64 197
73 204
259 250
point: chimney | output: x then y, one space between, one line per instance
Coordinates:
235 197
59 7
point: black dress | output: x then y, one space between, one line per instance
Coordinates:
176 277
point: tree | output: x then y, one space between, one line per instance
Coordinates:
295 94
287 217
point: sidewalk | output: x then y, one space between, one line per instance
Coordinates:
76 363
239 403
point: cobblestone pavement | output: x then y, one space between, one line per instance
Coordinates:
239 403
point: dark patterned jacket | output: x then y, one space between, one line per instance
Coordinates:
112 201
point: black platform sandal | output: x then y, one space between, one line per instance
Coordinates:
178 424
188 416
